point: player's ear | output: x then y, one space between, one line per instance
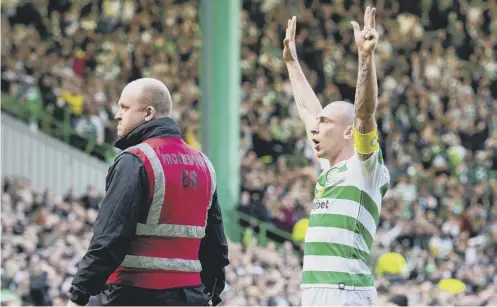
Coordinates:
348 133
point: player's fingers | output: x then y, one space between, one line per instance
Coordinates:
294 26
370 35
286 42
355 26
367 16
372 20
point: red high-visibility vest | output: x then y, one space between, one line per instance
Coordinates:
164 253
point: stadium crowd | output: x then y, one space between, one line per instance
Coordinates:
437 73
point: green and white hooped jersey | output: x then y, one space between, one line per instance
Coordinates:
343 223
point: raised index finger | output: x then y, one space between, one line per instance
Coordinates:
294 27
288 29
372 20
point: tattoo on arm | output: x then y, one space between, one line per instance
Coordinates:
363 74
301 103
365 98
361 80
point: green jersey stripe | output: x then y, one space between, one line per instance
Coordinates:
384 189
355 194
336 235
343 222
335 278
334 249
380 156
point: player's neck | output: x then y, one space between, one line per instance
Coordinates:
343 155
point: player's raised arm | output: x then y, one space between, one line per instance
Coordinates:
365 131
307 102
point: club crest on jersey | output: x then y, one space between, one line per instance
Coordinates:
333 177
320 192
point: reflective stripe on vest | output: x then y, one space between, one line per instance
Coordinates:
159 185
152 227
213 182
171 230
143 262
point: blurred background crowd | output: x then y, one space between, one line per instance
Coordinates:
437 72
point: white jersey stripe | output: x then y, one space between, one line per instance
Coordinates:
335 264
331 286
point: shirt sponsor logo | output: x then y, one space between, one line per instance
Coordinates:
323 204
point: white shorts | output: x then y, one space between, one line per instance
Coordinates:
338 297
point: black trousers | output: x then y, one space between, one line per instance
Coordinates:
122 295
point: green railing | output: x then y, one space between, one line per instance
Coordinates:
264 229
32 111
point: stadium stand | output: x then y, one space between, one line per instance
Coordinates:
68 60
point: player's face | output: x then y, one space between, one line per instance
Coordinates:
328 135
130 115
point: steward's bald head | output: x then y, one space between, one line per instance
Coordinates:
141 101
151 92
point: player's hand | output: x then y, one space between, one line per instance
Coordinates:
289 50
367 38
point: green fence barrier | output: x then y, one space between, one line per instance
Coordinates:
264 229
32 111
